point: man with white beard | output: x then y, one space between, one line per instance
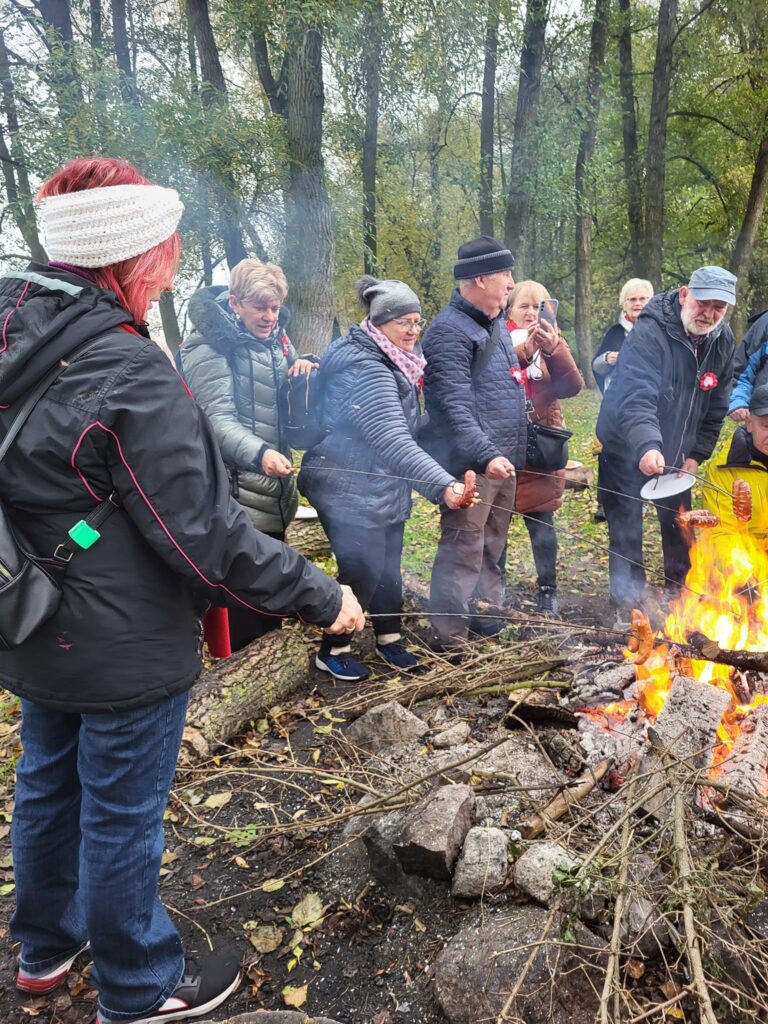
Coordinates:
664 409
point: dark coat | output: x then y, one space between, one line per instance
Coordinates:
236 378
127 632
471 420
373 414
560 378
655 399
751 364
613 339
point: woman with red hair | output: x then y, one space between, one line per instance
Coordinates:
104 680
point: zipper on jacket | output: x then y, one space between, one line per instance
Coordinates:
680 452
5 572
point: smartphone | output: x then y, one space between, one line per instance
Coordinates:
548 311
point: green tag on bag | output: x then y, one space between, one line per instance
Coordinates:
84 535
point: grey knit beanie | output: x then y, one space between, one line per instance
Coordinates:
386 300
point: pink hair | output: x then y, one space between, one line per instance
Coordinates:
133 280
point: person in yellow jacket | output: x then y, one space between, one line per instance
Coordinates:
747 459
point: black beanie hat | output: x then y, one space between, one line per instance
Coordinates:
483 255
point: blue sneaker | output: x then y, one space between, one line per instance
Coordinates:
397 656
342 666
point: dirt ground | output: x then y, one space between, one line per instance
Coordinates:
366 959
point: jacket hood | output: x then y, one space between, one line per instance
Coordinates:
47 313
215 324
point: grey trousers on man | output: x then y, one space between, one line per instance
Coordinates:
466 564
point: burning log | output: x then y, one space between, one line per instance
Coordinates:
687 726
241 688
703 649
747 764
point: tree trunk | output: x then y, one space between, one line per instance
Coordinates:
632 177
583 190
372 79
758 191
657 142
308 538
122 54
96 24
310 238
213 91
486 119
17 187
518 209
170 321
240 688
62 72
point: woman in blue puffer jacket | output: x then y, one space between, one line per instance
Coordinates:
360 477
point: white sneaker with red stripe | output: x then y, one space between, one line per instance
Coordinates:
205 985
40 982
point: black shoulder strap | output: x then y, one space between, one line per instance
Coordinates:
480 363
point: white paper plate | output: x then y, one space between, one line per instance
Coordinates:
306 512
667 485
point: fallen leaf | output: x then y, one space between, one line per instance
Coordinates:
419 925
308 911
218 799
204 840
241 862
635 968
295 996
169 857
266 938
7 889
273 884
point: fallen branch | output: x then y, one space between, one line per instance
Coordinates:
618 913
702 648
564 801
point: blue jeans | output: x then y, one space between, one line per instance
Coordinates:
87 839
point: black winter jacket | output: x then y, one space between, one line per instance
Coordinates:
655 399
471 420
373 412
127 632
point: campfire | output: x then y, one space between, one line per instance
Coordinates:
715 636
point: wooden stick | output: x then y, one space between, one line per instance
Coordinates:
502 1017
614 948
564 801
710 650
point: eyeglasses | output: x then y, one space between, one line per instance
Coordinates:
415 325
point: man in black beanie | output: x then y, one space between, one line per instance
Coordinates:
477 420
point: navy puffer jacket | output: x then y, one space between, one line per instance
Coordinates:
373 414
471 421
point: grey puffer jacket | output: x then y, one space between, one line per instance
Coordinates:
373 414
235 378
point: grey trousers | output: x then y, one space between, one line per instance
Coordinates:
466 564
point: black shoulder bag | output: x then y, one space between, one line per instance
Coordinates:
30 591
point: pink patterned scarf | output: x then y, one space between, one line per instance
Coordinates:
411 363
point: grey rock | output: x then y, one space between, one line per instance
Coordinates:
434 831
476 971
455 736
379 838
385 726
482 864
757 919
535 866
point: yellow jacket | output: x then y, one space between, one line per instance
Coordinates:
738 465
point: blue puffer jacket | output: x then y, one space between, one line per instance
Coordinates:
751 364
471 421
373 413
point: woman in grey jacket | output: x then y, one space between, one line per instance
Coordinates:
361 475
234 362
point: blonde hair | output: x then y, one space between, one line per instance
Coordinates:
525 287
258 282
630 285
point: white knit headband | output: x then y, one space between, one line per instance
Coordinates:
100 226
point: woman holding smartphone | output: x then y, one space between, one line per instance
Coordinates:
550 375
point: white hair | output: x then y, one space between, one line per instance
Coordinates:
631 285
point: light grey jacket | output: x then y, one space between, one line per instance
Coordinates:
236 377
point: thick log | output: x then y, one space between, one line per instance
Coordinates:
686 726
745 766
308 538
563 802
579 478
241 688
